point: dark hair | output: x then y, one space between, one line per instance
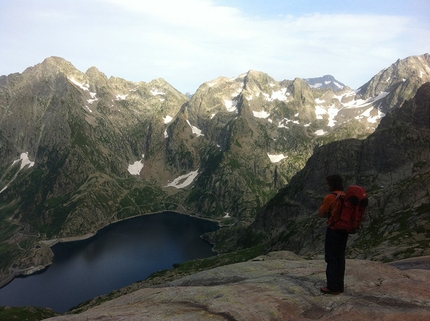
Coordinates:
334 183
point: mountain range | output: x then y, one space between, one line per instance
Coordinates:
393 164
80 151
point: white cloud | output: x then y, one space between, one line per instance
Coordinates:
193 41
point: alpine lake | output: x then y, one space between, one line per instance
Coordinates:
118 255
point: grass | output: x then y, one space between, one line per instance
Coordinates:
191 267
25 313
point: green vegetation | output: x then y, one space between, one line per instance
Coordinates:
6 230
25 313
191 267
7 253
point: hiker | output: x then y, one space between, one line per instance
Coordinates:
335 240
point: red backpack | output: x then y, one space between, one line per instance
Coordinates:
348 209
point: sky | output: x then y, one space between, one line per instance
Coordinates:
189 42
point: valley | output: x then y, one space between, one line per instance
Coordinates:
81 151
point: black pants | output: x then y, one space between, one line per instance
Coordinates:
335 246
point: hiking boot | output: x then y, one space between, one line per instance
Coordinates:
325 290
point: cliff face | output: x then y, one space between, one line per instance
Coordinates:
277 286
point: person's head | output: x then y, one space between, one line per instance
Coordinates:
334 183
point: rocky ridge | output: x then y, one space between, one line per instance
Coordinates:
327 81
277 286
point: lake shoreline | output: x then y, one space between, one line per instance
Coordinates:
51 242
87 236
117 256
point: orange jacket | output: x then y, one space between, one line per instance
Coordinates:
327 203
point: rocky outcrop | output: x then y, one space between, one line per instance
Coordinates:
277 286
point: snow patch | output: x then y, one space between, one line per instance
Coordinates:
363 103
320 132
276 158
260 114
80 85
167 119
231 105
370 119
184 180
212 83
283 123
121 97
317 85
331 111
280 95
24 161
93 98
195 130
155 92
136 167
338 85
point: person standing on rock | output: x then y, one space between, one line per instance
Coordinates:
335 240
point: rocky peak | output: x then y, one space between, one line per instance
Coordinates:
401 79
324 82
50 67
257 81
299 90
96 77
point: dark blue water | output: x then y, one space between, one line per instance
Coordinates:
118 255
